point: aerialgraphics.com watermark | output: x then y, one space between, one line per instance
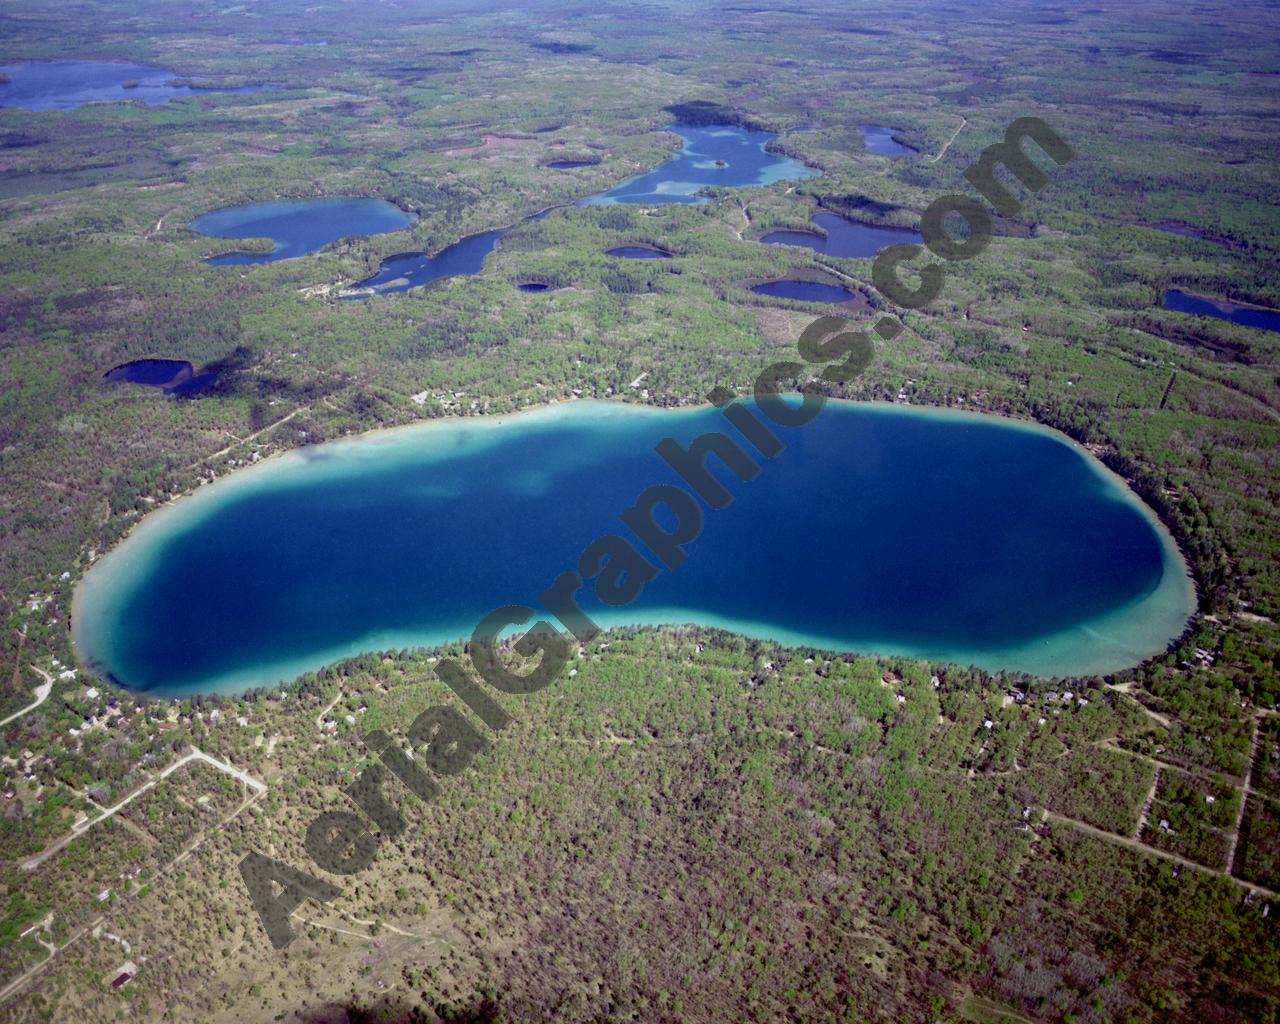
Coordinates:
345 842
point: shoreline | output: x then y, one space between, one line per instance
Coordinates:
1179 587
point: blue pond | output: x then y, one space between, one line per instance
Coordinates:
882 140
638 252
67 84
942 535
173 376
298 226
807 291
714 155
1221 309
845 238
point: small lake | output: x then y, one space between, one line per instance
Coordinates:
66 84
845 238
1221 309
567 165
173 376
298 226
806 291
879 529
878 138
712 155
637 252
533 286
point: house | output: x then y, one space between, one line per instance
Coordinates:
124 974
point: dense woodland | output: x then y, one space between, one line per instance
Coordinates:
694 826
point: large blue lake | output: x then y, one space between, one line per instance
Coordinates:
878 529
67 84
712 156
299 226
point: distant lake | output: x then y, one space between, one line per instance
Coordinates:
712 155
845 238
638 252
808 291
299 226
566 165
671 182
880 139
67 84
879 529
1221 309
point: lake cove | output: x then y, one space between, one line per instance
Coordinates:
696 166
298 226
843 237
879 529
66 84
882 140
712 156
1221 309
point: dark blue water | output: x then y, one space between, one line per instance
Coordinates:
807 291
1221 309
845 238
712 155
637 252
880 139
565 165
877 529
153 372
194 383
67 84
533 286
412 269
298 226
174 376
